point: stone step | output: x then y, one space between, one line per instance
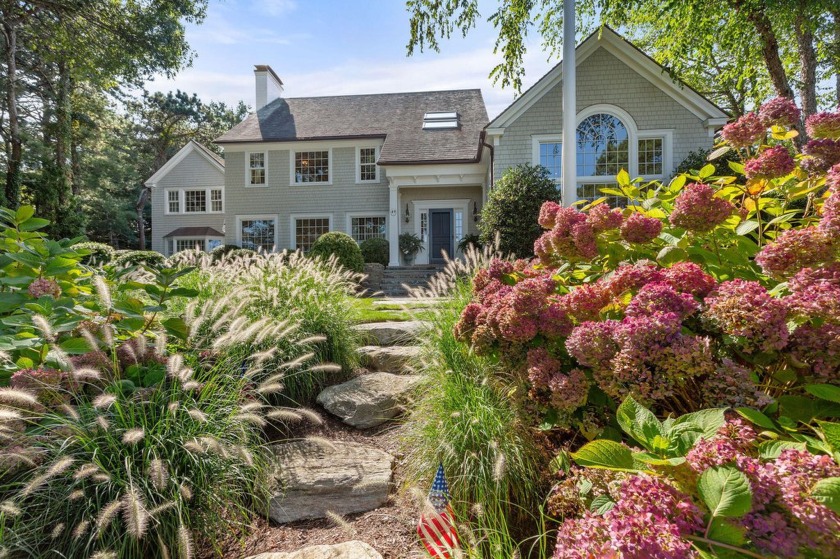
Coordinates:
317 477
395 359
368 400
391 333
346 550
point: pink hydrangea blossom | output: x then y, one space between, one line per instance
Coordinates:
548 214
592 343
631 277
661 297
744 132
571 238
688 277
732 385
818 348
584 302
568 391
815 293
830 220
821 155
745 310
832 178
823 125
697 209
779 111
796 249
49 385
640 229
42 287
541 367
603 218
772 163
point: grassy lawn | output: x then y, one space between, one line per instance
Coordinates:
367 310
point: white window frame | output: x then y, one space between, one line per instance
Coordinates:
538 139
171 242
274 217
182 200
248 183
350 217
293 223
359 165
293 178
667 137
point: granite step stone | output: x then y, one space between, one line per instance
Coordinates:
368 400
316 477
346 550
395 359
392 333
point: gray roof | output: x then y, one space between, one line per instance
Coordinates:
396 117
193 232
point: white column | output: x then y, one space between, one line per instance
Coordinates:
569 162
393 224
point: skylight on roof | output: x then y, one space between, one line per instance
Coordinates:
440 120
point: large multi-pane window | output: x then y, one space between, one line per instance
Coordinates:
195 201
216 201
602 146
312 166
367 164
650 156
258 234
256 169
551 155
363 228
173 198
307 231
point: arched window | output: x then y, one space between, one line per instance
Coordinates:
602 146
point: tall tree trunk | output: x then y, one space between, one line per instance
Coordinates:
836 16
63 130
12 193
141 221
769 46
807 60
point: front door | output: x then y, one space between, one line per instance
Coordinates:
440 232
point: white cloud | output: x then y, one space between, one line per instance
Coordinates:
356 76
275 7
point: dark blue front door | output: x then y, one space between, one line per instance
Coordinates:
441 235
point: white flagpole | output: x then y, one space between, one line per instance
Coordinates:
569 162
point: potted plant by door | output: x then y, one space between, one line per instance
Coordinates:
410 245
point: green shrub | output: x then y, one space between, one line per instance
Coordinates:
222 250
698 159
469 419
467 240
97 253
513 207
137 257
136 471
342 246
376 251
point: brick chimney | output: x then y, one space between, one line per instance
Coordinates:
268 85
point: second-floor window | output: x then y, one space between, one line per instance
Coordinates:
256 169
312 166
173 199
367 165
194 201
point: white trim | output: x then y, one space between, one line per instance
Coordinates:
359 149
537 139
248 169
241 218
315 147
191 146
294 217
667 136
426 205
299 145
615 44
171 242
182 200
349 221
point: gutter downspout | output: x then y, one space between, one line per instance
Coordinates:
492 161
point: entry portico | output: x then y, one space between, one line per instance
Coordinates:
440 203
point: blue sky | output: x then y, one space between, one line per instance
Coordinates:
333 47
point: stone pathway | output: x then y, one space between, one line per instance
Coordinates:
320 477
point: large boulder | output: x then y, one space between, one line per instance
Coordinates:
316 477
392 359
368 400
391 333
346 550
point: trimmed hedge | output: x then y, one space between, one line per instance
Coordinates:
342 246
137 257
99 253
375 251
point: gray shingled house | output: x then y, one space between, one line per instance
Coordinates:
379 165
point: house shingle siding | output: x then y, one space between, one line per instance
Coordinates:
194 171
603 79
282 199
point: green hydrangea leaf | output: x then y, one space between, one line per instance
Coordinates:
726 491
607 455
601 504
825 392
827 492
641 424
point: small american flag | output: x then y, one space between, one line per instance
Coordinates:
437 526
